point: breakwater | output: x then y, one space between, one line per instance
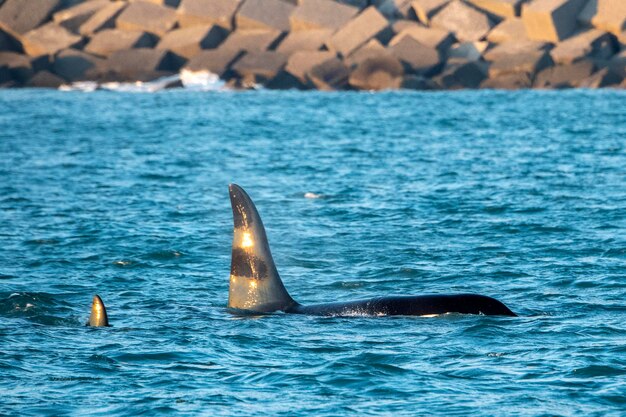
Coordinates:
317 44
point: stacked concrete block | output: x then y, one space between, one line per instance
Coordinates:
435 38
608 15
505 49
331 74
512 29
382 72
424 10
504 9
460 75
592 43
565 76
73 65
358 31
264 14
514 81
102 19
259 67
321 14
188 42
45 79
20 16
551 20
601 79
617 64
207 12
9 42
16 66
370 50
300 64
73 17
467 51
217 61
48 39
530 63
107 41
467 23
395 9
148 17
139 64
304 40
251 40
417 58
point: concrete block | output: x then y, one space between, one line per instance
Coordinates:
264 14
438 39
331 74
505 49
45 79
187 42
147 17
20 16
504 9
370 50
462 75
207 12
73 17
508 30
358 31
72 65
395 9
102 19
217 61
18 66
416 58
382 72
304 40
551 20
601 79
300 64
467 23
140 64
591 43
467 51
48 39
251 40
608 15
529 63
321 14
514 81
9 42
424 10
259 67
107 41
617 64
564 76
416 82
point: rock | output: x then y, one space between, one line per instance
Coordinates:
601 79
425 9
331 74
467 51
501 8
264 14
217 61
8 42
207 12
147 17
300 64
107 41
591 43
512 29
20 16
608 15
71 65
73 17
45 79
187 42
102 19
514 81
363 27
438 39
467 23
48 39
416 58
259 67
382 72
564 76
528 62
462 75
142 64
506 49
551 20
251 40
304 40
321 14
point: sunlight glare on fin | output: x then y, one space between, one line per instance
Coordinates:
246 240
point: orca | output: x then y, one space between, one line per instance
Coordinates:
98 317
255 285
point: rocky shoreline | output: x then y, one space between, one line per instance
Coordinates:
316 44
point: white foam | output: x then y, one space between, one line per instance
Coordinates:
312 195
201 80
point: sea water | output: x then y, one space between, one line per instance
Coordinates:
516 195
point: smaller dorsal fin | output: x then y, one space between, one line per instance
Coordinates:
254 281
98 317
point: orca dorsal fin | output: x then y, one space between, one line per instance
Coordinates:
254 281
98 317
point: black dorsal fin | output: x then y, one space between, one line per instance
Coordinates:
254 281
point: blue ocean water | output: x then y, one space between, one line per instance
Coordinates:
517 195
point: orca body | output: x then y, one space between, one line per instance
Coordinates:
255 285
